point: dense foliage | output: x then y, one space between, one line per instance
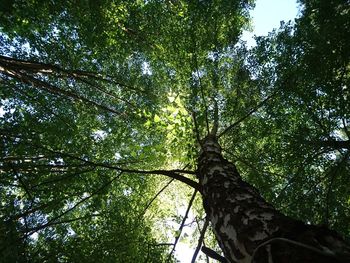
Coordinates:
101 103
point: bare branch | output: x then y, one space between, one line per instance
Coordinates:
200 240
183 222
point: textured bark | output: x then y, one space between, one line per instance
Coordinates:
242 220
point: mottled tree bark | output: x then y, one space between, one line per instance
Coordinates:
246 225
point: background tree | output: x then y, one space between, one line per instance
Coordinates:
101 103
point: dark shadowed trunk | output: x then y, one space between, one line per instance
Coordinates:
248 228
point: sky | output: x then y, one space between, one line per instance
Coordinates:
266 16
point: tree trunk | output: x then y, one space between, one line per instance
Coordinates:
249 229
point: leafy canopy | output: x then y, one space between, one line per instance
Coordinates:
100 103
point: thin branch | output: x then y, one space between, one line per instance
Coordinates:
170 173
62 178
196 127
233 125
298 174
201 86
34 209
105 92
200 240
25 236
215 83
40 104
176 173
24 78
24 158
53 220
62 222
159 192
24 186
109 79
247 163
216 119
183 222
39 67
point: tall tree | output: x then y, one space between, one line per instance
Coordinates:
105 107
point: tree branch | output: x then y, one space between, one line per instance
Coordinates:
39 67
200 240
212 254
170 173
52 221
183 222
159 192
325 253
215 128
334 144
233 125
30 80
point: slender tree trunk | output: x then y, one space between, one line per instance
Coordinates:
249 229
